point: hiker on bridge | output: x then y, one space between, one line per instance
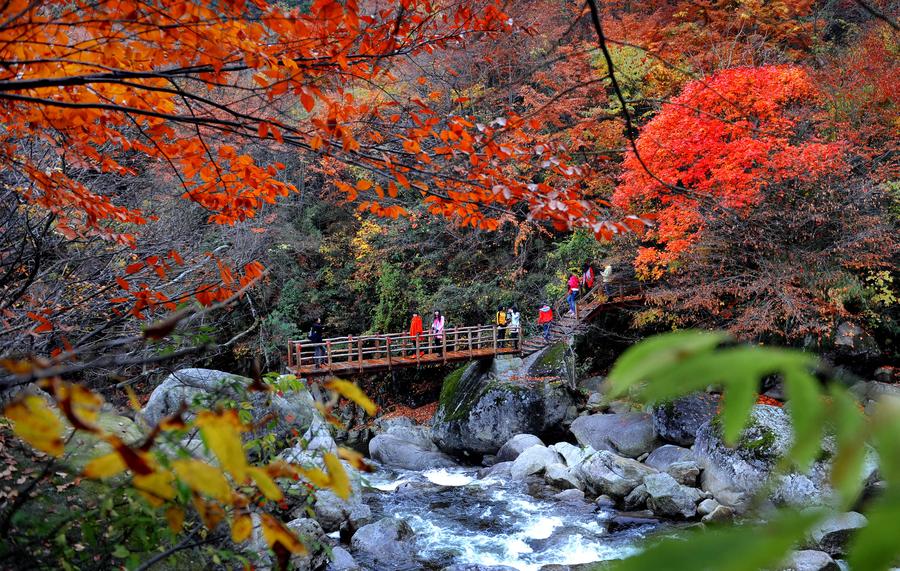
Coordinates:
500 322
315 335
573 284
587 278
545 319
415 329
514 320
437 329
606 274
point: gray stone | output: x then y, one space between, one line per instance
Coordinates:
595 400
832 535
719 514
333 512
707 506
573 495
678 421
499 470
619 407
563 477
637 499
533 460
809 560
516 445
604 501
409 448
734 474
607 473
479 413
851 339
668 498
630 434
573 455
477 567
341 560
666 455
685 473
312 536
386 542
294 411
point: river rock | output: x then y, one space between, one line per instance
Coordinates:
334 513
629 434
312 536
719 514
685 473
668 498
341 560
668 454
733 474
478 413
563 477
574 455
607 473
832 535
477 567
386 542
294 411
533 460
678 420
637 499
408 447
516 445
572 496
810 560
707 506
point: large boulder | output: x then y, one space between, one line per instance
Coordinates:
607 473
295 411
516 445
408 447
667 498
832 535
534 460
678 420
573 455
479 413
387 542
563 477
341 560
630 434
336 514
316 556
734 474
809 560
669 454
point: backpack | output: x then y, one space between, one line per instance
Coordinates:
501 318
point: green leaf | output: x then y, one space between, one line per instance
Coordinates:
875 547
651 356
807 415
850 432
121 552
733 548
886 429
739 400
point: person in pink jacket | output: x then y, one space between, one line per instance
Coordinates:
574 284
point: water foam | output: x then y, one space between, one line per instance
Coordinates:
444 477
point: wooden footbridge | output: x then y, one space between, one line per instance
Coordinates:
371 353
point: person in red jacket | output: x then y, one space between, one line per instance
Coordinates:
415 328
545 318
574 285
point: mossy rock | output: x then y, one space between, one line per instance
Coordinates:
85 446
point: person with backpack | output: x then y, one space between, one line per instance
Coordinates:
500 322
437 329
574 285
315 335
587 277
545 319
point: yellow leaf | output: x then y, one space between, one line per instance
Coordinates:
37 424
266 484
80 405
156 487
105 466
175 517
241 527
354 393
222 434
275 532
203 478
339 481
133 401
314 476
211 513
354 458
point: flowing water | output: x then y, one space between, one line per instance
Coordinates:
459 518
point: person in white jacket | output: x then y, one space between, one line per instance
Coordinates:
606 274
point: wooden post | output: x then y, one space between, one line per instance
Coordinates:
359 343
387 342
444 346
470 342
328 353
418 352
494 330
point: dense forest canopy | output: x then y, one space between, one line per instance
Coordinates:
196 181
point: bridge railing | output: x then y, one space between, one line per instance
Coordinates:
389 348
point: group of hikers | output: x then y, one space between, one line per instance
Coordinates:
507 319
